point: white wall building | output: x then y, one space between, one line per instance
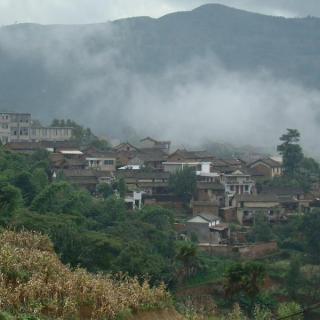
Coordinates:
17 127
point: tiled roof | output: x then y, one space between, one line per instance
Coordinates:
268 161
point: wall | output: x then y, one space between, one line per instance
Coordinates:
255 251
208 208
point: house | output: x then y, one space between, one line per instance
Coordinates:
210 191
83 178
292 199
24 147
190 156
20 127
149 158
125 147
125 152
227 165
267 168
149 182
103 161
250 205
208 229
237 183
150 143
60 161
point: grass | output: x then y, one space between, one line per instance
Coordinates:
214 269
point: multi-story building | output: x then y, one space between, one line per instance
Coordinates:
18 127
237 183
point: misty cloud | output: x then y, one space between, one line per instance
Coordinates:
190 103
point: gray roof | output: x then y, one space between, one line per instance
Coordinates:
282 191
186 154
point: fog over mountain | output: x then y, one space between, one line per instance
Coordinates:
212 73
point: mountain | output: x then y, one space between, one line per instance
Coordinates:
86 71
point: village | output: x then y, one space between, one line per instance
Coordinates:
219 212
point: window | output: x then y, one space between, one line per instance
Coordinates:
246 188
232 188
4 126
108 162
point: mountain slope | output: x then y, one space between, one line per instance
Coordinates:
83 71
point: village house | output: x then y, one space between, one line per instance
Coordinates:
148 182
292 199
103 161
210 191
125 152
125 147
60 161
266 168
237 183
149 158
84 178
190 156
208 229
227 165
250 205
150 143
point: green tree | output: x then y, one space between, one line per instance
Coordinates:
261 230
188 256
105 190
121 187
39 179
24 182
61 197
294 277
244 280
310 230
183 183
291 152
10 198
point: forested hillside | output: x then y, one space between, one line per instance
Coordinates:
103 68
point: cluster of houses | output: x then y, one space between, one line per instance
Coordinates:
226 190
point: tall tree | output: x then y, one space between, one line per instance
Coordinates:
291 152
183 183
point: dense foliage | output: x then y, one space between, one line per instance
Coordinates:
183 183
96 233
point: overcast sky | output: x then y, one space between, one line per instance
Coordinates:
91 11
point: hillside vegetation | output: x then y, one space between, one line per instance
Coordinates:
33 281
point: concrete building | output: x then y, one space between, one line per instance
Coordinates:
18 127
104 161
237 183
267 168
